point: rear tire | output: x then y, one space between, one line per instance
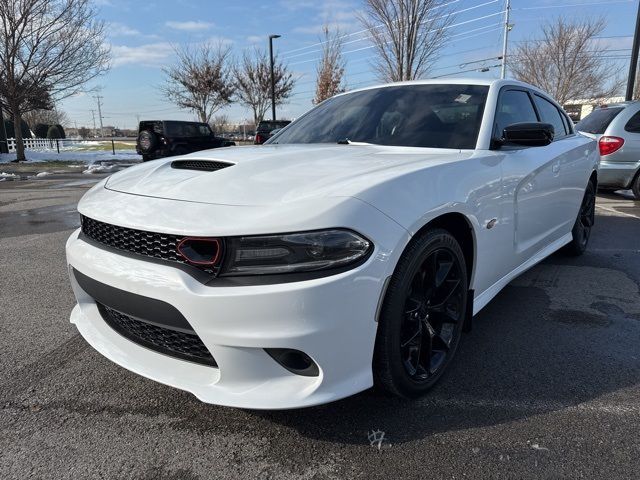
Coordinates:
584 223
635 186
422 316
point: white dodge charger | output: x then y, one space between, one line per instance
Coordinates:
352 250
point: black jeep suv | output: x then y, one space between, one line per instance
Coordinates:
167 138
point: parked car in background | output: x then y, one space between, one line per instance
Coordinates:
168 138
265 130
352 250
617 129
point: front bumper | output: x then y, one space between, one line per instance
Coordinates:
332 319
617 174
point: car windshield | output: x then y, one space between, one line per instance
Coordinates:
598 120
440 116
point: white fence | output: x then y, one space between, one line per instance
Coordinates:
33 143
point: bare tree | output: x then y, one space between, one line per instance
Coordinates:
407 35
49 50
568 62
54 116
253 83
330 70
201 79
83 132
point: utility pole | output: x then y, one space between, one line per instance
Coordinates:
93 115
273 84
507 29
99 98
634 59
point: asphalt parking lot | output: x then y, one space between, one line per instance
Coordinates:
547 384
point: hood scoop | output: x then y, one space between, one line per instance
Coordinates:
201 165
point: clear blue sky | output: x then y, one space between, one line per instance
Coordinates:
141 35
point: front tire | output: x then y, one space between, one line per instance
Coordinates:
581 231
422 315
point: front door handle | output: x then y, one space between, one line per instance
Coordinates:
555 168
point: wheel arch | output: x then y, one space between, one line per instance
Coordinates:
461 228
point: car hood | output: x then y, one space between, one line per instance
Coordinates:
273 174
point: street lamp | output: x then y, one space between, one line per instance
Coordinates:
273 85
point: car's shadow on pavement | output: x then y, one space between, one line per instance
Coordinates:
520 359
555 338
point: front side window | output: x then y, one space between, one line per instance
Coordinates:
438 116
514 106
549 113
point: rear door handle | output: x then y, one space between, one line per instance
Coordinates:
556 168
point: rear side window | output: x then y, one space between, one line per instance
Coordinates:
514 106
633 125
598 120
550 114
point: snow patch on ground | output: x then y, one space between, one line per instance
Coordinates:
43 174
105 168
4 175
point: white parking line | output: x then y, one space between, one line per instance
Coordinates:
612 210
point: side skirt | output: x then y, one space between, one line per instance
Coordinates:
486 296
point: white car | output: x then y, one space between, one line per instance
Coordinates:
351 251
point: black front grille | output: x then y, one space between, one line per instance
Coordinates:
185 345
203 165
150 244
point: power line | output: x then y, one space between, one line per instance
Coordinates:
608 2
360 31
374 46
371 36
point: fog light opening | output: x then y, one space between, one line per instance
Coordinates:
295 361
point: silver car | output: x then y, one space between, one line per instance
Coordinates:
616 127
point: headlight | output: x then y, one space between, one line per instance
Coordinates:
294 252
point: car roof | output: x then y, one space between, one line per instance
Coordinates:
452 81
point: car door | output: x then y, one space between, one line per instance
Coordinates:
531 179
573 162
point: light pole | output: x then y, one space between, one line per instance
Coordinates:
634 60
505 40
273 84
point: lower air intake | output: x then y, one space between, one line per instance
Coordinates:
175 343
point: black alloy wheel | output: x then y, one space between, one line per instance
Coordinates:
432 310
584 222
422 315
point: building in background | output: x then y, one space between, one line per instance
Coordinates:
578 109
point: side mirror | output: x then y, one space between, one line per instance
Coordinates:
534 134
